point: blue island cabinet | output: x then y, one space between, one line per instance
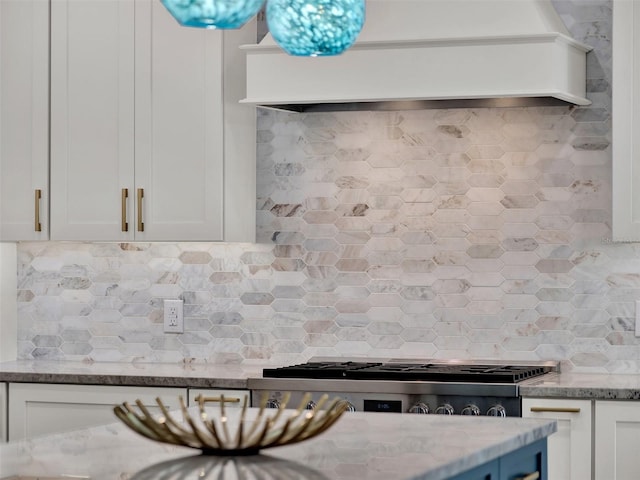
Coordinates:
526 463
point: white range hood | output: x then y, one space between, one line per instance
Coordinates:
430 53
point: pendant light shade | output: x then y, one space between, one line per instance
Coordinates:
223 14
315 27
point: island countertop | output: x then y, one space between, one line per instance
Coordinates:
360 445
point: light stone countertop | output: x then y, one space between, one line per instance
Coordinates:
600 386
375 446
198 375
130 374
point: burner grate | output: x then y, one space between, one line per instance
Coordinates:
317 370
449 373
409 371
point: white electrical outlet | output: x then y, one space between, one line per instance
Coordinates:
173 319
637 318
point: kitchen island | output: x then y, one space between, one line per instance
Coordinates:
360 445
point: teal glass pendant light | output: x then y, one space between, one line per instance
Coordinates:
315 27
223 14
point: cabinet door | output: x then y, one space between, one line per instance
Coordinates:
24 119
528 462
39 409
569 449
92 119
626 120
617 432
179 127
488 471
232 398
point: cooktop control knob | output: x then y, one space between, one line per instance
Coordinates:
421 408
497 411
311 405
470 409
272 403
350 407
445 409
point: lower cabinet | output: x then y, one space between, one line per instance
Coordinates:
595 439
570 447
526 463
488 471
617 431
3 412
40 408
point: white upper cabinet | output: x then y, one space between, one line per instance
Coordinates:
148 143
92 118
179 127
24 119
626 120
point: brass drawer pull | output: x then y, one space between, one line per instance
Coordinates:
38 225
531 476
140 197
556 409
125 195
202 398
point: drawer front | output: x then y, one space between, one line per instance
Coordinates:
39 409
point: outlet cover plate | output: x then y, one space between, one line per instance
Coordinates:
173 316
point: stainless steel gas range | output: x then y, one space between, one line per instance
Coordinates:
400 385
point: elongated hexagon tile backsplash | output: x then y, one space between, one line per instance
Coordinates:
462 233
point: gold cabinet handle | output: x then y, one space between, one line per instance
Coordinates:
556 409
202 398
140 197
125 195
531 476
38 225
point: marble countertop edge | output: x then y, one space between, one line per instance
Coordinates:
236 376
185 375
124 380
583 386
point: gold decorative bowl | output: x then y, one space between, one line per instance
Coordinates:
214 435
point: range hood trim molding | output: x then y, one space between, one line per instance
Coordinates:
560 96
462 41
